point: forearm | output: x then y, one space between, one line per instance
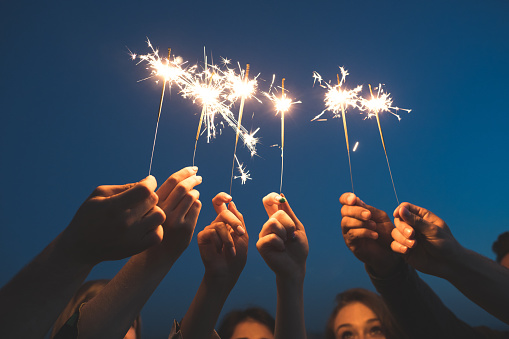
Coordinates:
202 315
482 280
112 312
32 301
290 309
416 308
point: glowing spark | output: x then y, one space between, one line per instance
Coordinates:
355 147
338 99
382 102
244 175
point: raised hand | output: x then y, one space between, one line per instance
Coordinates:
115 222
283 243
367 233
424 239
180 202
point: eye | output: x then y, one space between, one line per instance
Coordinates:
347 335
376 331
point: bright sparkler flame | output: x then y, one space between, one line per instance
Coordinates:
165 68
382 102
282 104
338 98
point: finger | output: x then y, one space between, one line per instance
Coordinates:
348 198
285 206
419 218
136 193
348 223
153 218
169 185
185 204
270 242
209 235
273 226
360 233
271 203
356 212
219 202
287 222
193 213
401 239
180 191
226 238
398 248
229 218
406 230
241 230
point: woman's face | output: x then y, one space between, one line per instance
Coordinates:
357 321
251 329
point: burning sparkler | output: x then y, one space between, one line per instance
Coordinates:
339 99
244 175
281 105
382 102
170 71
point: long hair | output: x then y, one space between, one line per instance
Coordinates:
371 300
86 292
235 317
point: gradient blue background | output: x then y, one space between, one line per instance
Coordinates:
73 117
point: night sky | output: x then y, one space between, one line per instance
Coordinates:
74 116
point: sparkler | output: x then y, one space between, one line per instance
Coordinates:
170 71
336 100
240 89
282 105
382 103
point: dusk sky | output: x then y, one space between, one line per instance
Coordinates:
74 116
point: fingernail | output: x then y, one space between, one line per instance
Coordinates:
228 196
232 251
374 235
194 169
365 214
240 230
404 248
410 243
200 179
372 223
408 232
280 199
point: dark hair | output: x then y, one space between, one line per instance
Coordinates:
85 293
501 246
235 317
371 300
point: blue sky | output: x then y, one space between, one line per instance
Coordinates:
75 117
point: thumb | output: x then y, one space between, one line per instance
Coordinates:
419 218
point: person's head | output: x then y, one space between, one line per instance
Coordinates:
251 323
360 313
501 249
85 293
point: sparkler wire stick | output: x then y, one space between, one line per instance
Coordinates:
346 138
385 150
241 110
199 124
282 134
158 116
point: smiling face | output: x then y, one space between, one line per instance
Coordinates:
357 321
251 329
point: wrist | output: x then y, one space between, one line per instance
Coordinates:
219 284
294 277
69 255
386 268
